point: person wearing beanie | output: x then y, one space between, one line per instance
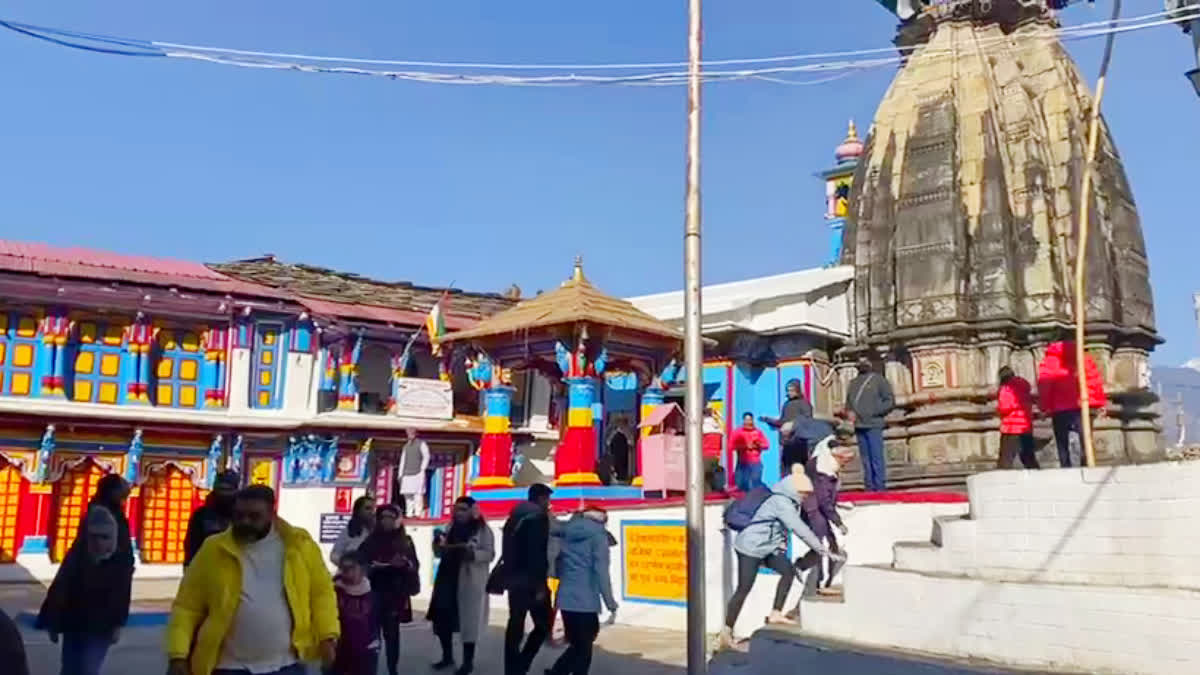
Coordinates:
88 601
213 517
763 543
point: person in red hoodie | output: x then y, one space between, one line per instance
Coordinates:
1014 403
749 442
1058 394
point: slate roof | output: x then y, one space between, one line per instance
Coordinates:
577 300
351 295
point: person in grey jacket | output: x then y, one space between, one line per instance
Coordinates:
869 399
583 582
764 543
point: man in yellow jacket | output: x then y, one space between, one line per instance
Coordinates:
257 598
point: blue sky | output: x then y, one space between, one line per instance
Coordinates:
492 186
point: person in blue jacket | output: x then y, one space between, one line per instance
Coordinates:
583 582
763 543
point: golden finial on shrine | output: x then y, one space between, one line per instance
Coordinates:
577 275
852 134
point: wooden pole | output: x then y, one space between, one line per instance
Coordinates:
1085 202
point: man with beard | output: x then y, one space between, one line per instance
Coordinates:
256 599
213 517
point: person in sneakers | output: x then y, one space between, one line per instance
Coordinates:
358 616
763 543
819 509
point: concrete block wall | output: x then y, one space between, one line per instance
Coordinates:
1128 525
1086 570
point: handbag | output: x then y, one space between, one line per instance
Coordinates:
497 581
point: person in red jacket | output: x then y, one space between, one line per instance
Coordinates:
1058 394
749 443
1014 403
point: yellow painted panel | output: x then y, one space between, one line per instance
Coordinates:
188 369
3 352
187 396
264 398
167 339
21 384
267 358
164 394
26 327
83 390
114 334
165 367
108 392
495 425
269 338
264 378
3 323
85 362
579 417
110 364
23 356
191 342
87 332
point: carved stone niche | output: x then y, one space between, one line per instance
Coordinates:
935 370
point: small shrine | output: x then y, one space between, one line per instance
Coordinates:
576 336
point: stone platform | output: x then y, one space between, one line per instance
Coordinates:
1092 569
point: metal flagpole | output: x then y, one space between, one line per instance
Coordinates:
693 349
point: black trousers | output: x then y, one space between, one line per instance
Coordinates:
1064 423
748 572
1013 445
581 629
795 451
522 601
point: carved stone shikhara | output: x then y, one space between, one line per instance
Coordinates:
962 234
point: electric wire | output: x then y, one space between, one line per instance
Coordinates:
850 62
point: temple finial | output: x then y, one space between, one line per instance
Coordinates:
852 134
577 274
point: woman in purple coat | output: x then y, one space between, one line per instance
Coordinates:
819 508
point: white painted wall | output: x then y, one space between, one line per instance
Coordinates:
1086 569
297 398
239 380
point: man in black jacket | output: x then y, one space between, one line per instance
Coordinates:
797 413
869 399
526 541
213 517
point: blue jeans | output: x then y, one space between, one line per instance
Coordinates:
870 450
748 475
83 654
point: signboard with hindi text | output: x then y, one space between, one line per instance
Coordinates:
332 525
422 398
654 568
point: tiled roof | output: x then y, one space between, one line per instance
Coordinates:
362 297
82 263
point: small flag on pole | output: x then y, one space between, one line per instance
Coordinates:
435 325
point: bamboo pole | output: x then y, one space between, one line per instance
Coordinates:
1089 451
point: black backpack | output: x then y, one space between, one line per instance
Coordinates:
740 513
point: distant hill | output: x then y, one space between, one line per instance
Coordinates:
1179 386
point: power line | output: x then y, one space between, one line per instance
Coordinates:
644 74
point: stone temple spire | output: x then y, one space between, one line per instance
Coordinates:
961 230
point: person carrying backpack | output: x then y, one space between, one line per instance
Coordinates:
764 520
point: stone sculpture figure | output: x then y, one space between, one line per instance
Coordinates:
961 231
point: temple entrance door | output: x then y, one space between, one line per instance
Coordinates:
167 501
72 493
10 501
619 451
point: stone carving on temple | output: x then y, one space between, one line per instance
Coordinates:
961 232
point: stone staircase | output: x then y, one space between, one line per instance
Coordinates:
1064 570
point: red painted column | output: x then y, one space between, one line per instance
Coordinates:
575 460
